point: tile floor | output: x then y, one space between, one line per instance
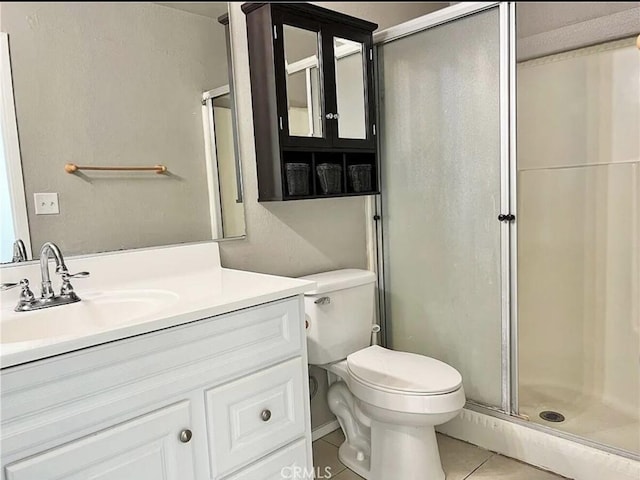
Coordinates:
460 461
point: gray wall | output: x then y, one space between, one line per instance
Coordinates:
114 84
538 17
544 28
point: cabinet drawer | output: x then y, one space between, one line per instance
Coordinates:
253 416
291 462
146 447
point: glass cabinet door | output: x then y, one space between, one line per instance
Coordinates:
303 81
351 96
352 102
325 80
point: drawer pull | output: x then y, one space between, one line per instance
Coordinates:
323 301
185 435
265 415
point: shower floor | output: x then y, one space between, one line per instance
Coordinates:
585 416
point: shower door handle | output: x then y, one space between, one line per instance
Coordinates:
509 217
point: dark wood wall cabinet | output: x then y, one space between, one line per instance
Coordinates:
313 102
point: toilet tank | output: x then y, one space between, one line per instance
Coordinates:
339 313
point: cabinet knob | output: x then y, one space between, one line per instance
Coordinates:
265 415
185 435
329 116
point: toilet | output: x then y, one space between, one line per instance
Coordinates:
387 402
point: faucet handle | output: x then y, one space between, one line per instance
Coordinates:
66 275
26 295
67 288
8 286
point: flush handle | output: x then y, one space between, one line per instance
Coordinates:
323 301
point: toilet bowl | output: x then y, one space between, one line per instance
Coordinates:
387 402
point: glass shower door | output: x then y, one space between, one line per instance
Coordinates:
441 174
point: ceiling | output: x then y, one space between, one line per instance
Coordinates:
206 9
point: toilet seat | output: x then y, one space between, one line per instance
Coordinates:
402 372
382 378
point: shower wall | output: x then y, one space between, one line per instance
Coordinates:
578 223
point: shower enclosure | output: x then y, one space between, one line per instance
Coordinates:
510 216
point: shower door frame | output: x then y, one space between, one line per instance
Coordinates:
508 203
507 183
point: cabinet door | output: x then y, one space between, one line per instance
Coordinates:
145 448
351 101
300 81
255 415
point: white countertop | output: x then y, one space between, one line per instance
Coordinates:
196 285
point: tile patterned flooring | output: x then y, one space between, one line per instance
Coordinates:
460 461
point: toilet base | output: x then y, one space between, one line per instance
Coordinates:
401 451
397 451
349 457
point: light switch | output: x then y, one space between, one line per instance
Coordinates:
46 203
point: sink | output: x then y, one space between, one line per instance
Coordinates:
97 311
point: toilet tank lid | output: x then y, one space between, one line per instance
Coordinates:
339 280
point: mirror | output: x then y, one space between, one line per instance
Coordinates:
304 86
303 82
350 88
121 85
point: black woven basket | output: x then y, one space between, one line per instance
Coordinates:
297 178
360 177
330 175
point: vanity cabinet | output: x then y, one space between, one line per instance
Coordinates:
313 101
221 397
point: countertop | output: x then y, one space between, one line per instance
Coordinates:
197 291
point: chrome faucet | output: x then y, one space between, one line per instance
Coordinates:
19 251
47 249
48 298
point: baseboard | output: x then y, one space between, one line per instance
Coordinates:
564 457
326 429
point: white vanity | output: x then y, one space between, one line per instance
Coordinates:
170 367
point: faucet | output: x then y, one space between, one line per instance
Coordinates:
48 298
47 249
19 251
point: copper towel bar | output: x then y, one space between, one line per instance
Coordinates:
72 168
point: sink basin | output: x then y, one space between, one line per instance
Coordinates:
97 311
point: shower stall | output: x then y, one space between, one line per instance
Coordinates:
509 232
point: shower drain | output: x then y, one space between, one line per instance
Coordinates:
550 416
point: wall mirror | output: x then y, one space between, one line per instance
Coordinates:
95 84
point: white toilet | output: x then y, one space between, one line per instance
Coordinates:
387 402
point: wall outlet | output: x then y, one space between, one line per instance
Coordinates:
46 203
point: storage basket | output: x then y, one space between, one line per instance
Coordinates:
360 176
330 175
297 178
